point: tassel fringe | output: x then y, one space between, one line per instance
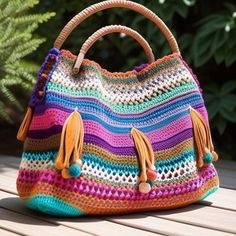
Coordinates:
146 159
202 138
71 145
22 132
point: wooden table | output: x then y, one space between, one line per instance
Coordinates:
214 216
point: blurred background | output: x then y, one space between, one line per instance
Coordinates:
205 32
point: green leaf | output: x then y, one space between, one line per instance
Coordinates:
218 40
228 102
221 125
213 108
228 115
201 52
228 87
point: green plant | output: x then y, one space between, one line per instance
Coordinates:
215 38
16 42
221 104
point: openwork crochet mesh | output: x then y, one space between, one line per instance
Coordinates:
155 100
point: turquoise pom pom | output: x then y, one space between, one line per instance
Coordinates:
208 158
74 170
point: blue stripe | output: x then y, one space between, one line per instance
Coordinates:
124 130
92 107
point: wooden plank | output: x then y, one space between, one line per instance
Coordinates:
163 226
4 232
25 225
227 173
93 225
9 171
227 178
203 216
225 164
11 161
222 198
104 227
8 184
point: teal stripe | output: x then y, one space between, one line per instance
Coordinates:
95 160
34 156
161 165
53 206
126 108
209 192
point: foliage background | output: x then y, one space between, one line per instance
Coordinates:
205 31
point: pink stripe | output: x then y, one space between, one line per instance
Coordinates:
85 186
125 140
92 127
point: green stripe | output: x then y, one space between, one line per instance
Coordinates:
124 108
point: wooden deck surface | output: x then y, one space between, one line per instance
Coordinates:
214 216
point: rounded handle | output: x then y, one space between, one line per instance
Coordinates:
107 30
76 20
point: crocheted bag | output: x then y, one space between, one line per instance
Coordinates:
98 142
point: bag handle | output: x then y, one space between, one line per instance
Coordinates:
76 20
107 30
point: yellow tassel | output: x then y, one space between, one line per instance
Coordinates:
22 132
202 138
71 146
146 160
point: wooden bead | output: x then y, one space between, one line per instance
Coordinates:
144 187
40 93
44 76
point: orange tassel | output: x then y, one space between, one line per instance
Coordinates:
71 146
202 138
146 157
22 132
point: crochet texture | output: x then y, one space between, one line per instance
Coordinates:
154 100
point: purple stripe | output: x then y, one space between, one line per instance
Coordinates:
165 144
45 133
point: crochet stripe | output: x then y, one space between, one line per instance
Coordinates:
155 100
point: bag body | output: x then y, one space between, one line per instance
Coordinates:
100 142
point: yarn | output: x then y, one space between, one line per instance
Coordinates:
22 132
103 174
202 138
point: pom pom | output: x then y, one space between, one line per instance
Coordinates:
215 156
208 158
74 170
151 174
144 187
65 174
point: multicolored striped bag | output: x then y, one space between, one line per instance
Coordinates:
100 142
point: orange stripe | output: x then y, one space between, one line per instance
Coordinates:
95 205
